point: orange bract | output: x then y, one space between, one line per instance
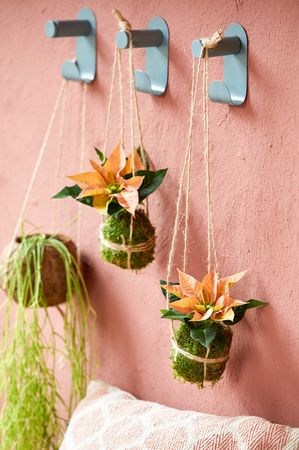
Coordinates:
108 182
208 299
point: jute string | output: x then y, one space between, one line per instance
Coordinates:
82 157
121 99
124 25
37 164
136 248
62 97
185 183
110 98
64 108
188 355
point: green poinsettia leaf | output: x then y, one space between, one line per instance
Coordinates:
73 192
69 191
172 297
151 182
174 315
239 314
205 334
101 156
114 208
253 303
241 310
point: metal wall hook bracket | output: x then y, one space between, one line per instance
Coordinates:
233 47
84 28
156 41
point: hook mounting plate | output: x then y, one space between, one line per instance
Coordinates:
84 28
155 77
233 47
156 41
233 90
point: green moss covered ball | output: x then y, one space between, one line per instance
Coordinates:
193 371
116 230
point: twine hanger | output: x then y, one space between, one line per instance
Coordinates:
124 25
185 184
62 98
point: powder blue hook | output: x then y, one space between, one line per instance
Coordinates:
156 40
233 46
84 28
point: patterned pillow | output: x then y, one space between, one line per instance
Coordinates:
111 419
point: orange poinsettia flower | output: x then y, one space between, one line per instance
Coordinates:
138 164
208 299
106 182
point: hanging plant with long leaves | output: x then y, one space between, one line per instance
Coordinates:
41 273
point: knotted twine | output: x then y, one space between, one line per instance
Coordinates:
124 25
185 182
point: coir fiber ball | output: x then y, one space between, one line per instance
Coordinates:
192 371
116 246
41 262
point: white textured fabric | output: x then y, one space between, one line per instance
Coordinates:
111 419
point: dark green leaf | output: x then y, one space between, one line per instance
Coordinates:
151 182
252 303
73 192
206 334
241 310
172 297
69 191
101 156
174 315
86 201
114 208
239 314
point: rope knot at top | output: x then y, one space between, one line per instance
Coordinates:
123 24
212 41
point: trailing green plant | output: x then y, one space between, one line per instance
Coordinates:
117 188
201 345
30 345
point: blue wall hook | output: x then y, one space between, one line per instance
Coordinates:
84 28
233 46
156 41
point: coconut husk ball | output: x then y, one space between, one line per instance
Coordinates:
52 272
117 248
192 371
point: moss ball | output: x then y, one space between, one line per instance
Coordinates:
193 371
116 230
50 278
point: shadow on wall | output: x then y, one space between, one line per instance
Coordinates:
263 367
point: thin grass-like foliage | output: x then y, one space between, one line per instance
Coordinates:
29 390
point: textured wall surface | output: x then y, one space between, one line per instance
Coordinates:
255 166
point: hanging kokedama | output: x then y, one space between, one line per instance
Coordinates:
40 271
127 236
45 257
201 345
118 187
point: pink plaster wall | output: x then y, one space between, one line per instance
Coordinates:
255 168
